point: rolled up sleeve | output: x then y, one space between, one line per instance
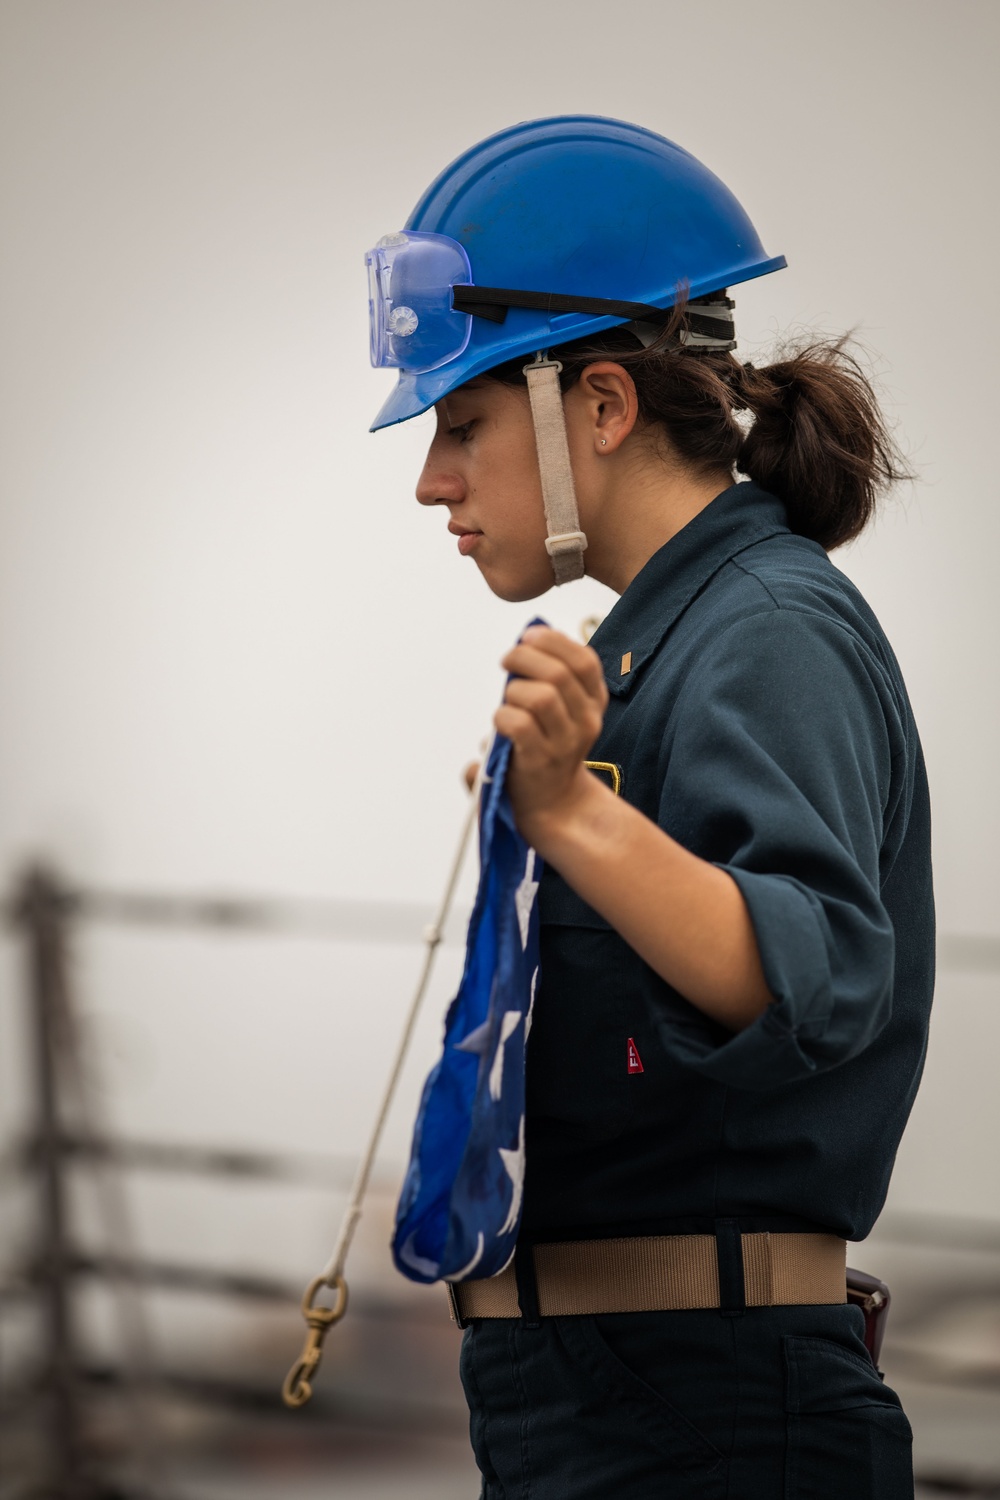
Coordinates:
778 765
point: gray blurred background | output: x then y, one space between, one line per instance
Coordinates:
236 659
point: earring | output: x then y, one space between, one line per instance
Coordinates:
604 442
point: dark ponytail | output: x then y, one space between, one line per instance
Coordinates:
819 441
815 436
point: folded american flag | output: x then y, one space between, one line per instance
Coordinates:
460 1207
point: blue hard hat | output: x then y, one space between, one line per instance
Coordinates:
541 234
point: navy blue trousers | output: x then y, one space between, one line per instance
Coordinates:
778 1403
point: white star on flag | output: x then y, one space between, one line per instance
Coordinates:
476 1041
531 1006
508 1025
473 1263
514 1163
524 898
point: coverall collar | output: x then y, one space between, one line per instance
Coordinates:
662 590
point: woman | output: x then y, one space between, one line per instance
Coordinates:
727 790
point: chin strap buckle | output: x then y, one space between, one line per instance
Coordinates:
566 541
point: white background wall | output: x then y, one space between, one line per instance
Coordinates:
234 654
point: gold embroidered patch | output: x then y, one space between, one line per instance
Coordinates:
607 768
626 663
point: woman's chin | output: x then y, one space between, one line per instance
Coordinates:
517 590
516 580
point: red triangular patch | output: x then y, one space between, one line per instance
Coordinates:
634 1060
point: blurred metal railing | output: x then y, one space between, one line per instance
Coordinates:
66 1131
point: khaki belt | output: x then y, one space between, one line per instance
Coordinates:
661 1273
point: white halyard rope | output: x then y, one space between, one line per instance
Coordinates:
432 938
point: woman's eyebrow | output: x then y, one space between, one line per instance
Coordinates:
452 417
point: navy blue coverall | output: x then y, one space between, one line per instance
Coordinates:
758 715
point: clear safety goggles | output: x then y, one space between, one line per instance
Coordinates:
422 302
414 326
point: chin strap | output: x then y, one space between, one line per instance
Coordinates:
565 542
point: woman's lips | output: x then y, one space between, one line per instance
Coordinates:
467 537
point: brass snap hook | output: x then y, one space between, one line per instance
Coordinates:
297 1388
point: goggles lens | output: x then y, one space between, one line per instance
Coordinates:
413 325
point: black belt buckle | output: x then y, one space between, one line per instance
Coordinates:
872 1296
453 1300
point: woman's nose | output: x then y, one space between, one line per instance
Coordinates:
437 485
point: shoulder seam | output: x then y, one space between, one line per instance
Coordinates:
749 573
860 645
814 614
795 611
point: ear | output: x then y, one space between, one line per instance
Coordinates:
610 405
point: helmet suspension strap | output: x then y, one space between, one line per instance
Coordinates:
565 542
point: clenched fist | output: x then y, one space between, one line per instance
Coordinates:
552 712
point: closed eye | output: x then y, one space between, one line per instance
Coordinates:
461 433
